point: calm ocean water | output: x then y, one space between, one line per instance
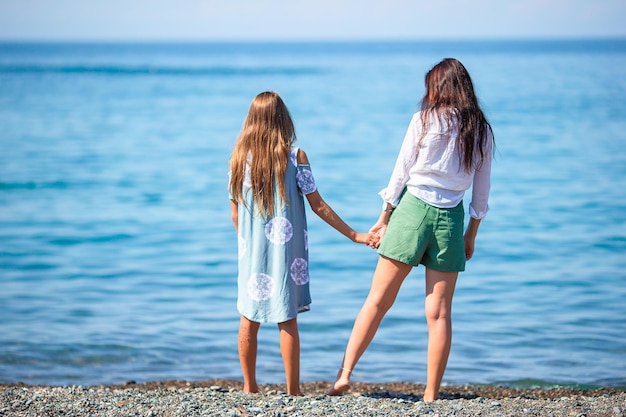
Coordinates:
118 256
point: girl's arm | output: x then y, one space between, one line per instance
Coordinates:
234 214
326 213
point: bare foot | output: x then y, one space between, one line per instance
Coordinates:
342 383
254 389
430 397
339 387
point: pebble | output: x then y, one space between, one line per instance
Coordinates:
216 401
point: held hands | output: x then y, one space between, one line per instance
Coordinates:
375 235
369 239
378 230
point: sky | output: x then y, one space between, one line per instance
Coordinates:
207 20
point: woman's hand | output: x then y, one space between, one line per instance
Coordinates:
469 247
378 230
470 237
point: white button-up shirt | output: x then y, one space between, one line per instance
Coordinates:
432 171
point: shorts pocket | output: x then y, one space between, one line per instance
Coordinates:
410 213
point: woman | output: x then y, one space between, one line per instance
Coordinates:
448 148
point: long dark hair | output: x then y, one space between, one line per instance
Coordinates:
450 94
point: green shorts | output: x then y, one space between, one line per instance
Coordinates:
419 233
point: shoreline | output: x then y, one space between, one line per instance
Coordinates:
469 391
223 397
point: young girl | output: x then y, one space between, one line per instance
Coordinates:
268 177
447 148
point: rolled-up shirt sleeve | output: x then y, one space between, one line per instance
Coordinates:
481 186
406 158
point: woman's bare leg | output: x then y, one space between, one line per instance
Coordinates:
438 308
248 331
290 350
388 278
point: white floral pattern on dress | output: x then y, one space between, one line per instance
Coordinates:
260 287
241 245
279 230
293 157
299 271
306 240
306 182
247 182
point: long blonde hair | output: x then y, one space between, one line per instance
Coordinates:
263 145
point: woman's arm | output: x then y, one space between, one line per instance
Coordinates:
470 237
405 160
380 227
479 206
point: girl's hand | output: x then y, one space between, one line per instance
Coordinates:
368 239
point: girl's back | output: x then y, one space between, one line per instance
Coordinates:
273 250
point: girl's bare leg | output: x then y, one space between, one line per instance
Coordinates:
290 350
438 308
386 283
248 331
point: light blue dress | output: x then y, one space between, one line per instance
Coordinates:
273 280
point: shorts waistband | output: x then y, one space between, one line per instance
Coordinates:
419 201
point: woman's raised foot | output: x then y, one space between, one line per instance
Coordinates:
338 388
342 384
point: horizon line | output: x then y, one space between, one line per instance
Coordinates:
314 40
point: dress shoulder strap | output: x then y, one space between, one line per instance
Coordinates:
293 155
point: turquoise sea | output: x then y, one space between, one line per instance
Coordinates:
118 255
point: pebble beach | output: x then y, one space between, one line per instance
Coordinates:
225 398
